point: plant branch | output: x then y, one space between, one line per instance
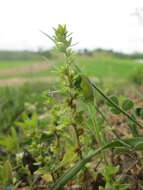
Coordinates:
116 106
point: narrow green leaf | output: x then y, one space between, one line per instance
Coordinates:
47 36
7 173
132 142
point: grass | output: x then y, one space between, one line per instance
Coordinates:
45 73
100 65
12 100
107 67
17 63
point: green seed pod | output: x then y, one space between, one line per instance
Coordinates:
87 88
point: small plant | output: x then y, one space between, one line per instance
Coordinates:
71 144
109 173
78 87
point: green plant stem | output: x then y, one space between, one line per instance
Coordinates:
113 130
79 165
99 139
112 103
75 127
73 108
78 141
116 106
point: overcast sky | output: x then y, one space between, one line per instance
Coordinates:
109 24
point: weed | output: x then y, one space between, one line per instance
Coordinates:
63 151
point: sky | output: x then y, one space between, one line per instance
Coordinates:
109 24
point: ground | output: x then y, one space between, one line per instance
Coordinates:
107 68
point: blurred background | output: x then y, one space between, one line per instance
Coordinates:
109 37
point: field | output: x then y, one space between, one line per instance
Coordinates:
100 65
17 63
104 66
71 124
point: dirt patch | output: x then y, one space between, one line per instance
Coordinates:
20 81
17 81
25 69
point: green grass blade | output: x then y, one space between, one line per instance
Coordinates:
132 143
73 171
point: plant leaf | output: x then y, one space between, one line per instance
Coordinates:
132 142
47 36
114 99
127 104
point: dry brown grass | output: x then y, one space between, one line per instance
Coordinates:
25 69
20 81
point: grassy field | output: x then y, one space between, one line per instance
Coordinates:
102 66
107 67
15 63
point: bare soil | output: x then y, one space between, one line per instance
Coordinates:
37 67
19 81
24 69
